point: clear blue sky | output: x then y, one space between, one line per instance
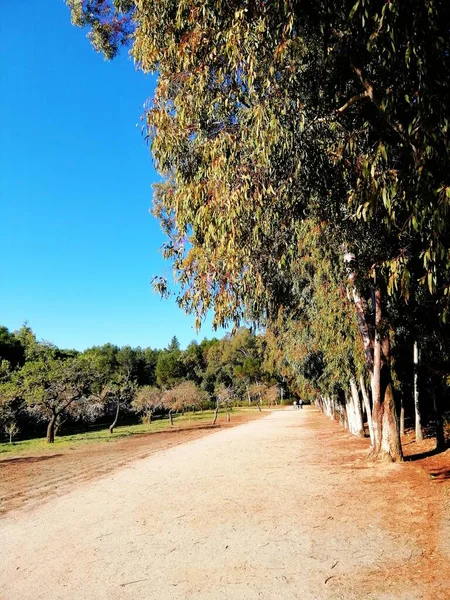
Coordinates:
78 247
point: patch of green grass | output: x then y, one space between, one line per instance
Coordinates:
103 435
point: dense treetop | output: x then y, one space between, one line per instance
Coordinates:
304 150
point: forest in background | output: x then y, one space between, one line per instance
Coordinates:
44 388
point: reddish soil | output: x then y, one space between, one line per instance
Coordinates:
27 481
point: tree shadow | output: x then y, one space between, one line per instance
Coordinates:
427 454
440 474
27 459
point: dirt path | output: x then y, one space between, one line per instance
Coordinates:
28 481
282 507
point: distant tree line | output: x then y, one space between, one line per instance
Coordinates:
317 356
43 387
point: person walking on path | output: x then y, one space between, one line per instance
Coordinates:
294 404
300 403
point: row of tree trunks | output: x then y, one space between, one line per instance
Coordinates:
326 405
386 443
385 426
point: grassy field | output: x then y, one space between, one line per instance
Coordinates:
120 432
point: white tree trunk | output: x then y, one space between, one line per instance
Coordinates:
367 407
357 420
418 420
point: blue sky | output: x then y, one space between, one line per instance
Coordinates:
78 246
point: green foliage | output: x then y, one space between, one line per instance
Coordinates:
169 369
11 349
54 386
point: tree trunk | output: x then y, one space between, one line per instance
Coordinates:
51 430
216 412
58 425
10 436
116 418
402 418
228 416
170 417
387 443
367 407
357 420
377 415
391 445
418 419
386 434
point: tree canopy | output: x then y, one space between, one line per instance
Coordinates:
305 153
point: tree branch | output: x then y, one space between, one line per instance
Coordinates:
371 94
353 100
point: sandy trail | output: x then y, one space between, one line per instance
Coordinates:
282 507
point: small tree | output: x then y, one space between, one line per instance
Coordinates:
11 429
148 399
121 388
169 402
272 394
224 397
256 393
183 397
53 387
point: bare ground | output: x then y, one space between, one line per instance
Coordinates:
27 481
282 507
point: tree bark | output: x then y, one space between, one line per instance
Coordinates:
377 415
358 424
391 445
418 418
51 429
58 425
216 412
386 433
170 417
116 418
367 407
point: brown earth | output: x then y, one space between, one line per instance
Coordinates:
283 507
27 481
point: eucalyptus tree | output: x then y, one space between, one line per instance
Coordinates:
266 114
